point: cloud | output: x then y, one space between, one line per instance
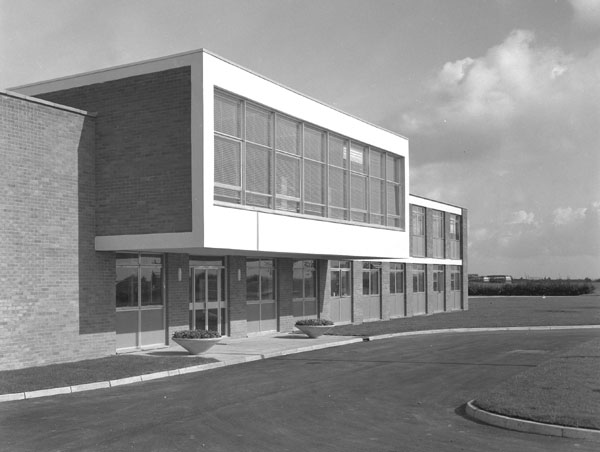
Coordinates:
566 215
522 217
586 13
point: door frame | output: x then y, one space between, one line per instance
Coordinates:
221 303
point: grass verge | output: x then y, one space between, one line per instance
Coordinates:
563 391
91 371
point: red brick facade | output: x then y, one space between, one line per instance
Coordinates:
57 300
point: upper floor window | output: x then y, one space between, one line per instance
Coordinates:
417 231
269 160
437 232
454 236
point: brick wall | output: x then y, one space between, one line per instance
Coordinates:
285 282
177 292
143 151
237 295
57 298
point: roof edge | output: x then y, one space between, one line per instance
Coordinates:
47 103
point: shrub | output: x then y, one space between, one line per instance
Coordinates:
314 322
195 334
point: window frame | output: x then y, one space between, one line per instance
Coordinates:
392 185
397 277
372 272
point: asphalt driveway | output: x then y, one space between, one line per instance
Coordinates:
403 394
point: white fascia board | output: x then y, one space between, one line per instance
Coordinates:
109 74
227 76
433 261
431 204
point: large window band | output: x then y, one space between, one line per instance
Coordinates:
269 160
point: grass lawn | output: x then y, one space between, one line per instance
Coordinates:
492 312
564 390
91 371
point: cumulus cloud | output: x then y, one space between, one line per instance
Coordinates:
586 13
566 215
522 217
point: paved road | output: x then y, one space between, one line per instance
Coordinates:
390 395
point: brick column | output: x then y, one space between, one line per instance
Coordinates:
178 292
236 291
358 306
323 289
285 293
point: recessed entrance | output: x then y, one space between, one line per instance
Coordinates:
208 305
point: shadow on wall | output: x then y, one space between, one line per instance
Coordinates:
96 269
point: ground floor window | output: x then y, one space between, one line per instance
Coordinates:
304 288
418 277
139 289
455 277
371 275
438 278
340 279
396 277
261 306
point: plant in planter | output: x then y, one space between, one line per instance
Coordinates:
314 327
196 341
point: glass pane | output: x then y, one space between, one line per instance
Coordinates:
287 135
314 182
228 115
393 275
227 162
346 289
267 291
258 125
376 160
338 151
338 188
377 196
365 282
252 280
358 161
287 175
310 283
335 283
393 199
314 144
258 169
127 287
297 284
151 285
200 288
374 282
393 168
358 193
146 259
127 259
213 284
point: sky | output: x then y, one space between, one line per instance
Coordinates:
500 99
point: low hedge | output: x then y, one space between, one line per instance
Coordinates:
535 288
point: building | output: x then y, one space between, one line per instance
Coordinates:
189 192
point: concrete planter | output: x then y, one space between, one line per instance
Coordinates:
197 346
314 331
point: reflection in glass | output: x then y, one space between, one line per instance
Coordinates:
127 287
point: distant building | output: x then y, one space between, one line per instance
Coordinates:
188 192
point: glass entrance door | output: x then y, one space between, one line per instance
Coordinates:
208 308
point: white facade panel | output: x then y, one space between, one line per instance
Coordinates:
430 204
230 228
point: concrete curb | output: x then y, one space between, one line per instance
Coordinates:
202 367
522 425
479 330
168 373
